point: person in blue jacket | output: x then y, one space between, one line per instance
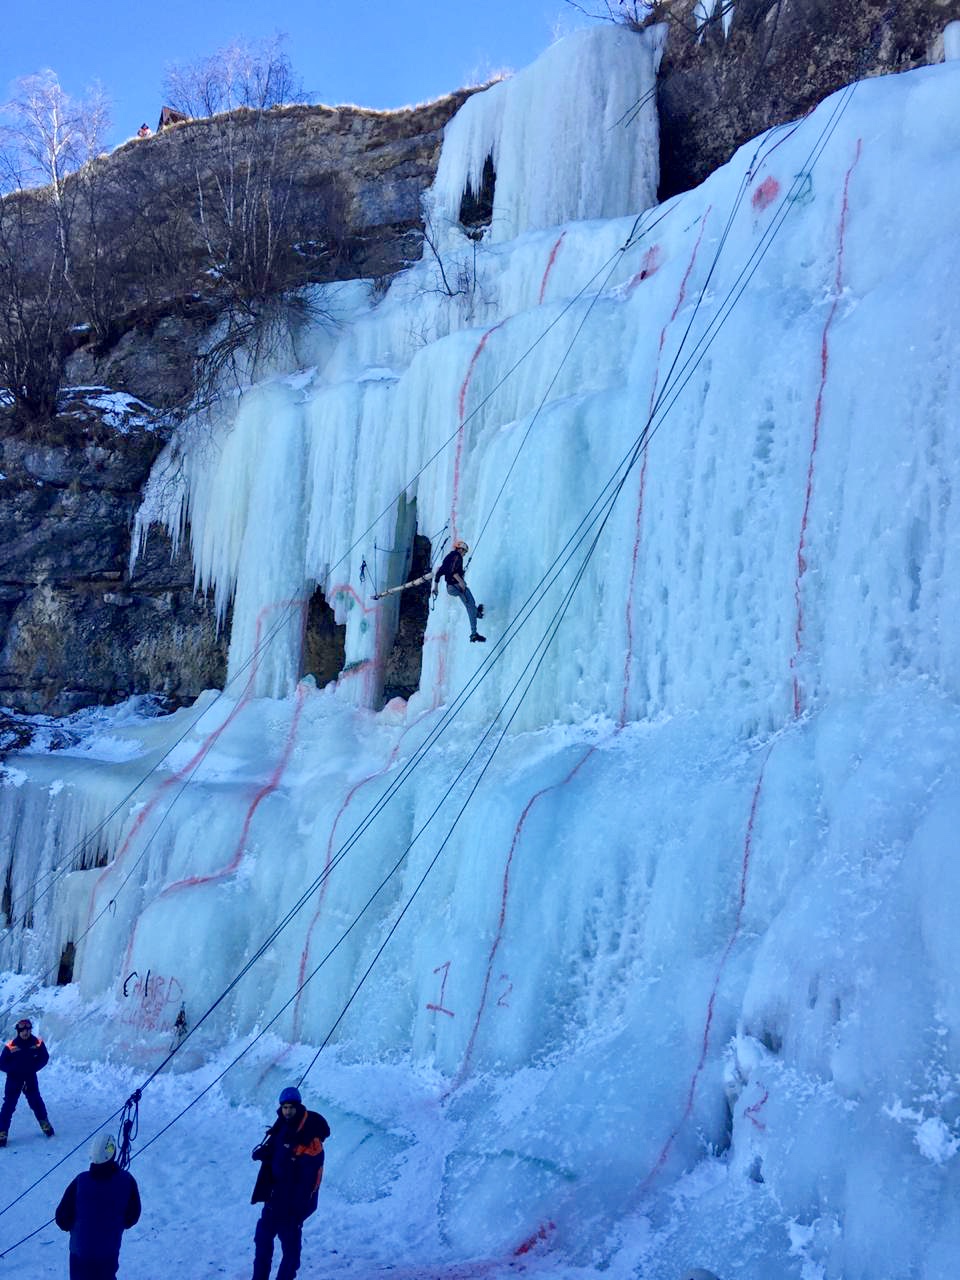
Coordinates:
97 1207
291 1168
21 1059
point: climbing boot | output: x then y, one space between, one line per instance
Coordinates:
479 610
477 636
3 1137
47 1128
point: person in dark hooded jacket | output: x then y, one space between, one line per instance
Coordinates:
451 570
97 1207
291 1168
21 1059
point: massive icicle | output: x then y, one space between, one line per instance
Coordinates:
574 136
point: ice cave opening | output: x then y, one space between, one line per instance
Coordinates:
476 207
405 659
323 652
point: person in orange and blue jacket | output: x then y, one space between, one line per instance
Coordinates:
21 1059
291 1168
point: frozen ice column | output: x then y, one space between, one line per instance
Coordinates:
572 137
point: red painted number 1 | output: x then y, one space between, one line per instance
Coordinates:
438 1008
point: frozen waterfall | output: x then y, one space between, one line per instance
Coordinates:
677 981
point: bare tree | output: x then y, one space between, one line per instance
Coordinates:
219 221
262 235
630 13
35 306
242 74
694 16
47 137
105 255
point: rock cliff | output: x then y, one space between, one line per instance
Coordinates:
76 629
758 63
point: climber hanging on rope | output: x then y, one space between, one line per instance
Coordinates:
451 569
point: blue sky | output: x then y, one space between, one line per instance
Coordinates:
377 55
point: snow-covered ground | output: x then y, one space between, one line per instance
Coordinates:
668 978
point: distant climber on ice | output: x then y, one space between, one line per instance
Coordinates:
291 1169
21 1059
97 1207
451 570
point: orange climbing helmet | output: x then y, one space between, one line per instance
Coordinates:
461 546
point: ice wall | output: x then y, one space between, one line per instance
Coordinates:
680 983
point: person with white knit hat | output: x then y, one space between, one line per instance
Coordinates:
97 1207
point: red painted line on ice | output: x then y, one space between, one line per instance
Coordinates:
328 860
815 439
465 385
441 685
461 411
550 261
267 789
346 589
502 920
751 1112
477 1269
279 769
765 193
650 264
641 486
714 990
541 1234
185 771
367 669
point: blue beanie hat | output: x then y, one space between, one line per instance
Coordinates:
290 1094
